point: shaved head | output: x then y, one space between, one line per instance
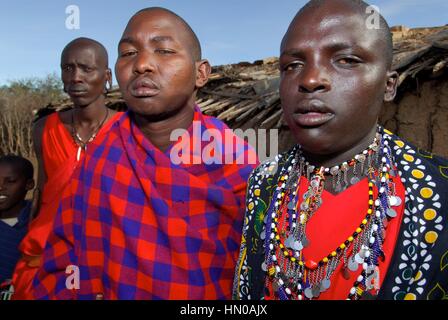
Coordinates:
357 6
101 52
194 44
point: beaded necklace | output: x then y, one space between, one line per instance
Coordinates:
82 145
284 236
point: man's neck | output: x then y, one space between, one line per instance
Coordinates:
92 113
13 212
159 132
345 155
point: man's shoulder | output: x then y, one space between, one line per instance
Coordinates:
272 168
212 122
407 154
424 174
109 145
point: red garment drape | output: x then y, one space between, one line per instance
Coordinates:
59 156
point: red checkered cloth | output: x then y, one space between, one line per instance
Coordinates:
140 227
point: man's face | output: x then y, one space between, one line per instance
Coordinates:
333 79
84 77
155 68
13 186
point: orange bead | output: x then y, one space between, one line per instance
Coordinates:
310 264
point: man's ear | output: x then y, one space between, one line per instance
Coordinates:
108 79
391 86
30 185
203 70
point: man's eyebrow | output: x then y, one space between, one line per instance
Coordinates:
291 52
126 40
162 39
338 46
156 39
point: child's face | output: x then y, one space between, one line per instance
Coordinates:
13 186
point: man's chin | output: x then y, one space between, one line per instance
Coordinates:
80 102
313 139
152 114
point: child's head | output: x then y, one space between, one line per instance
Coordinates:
16 179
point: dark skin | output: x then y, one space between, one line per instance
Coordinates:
334 80
13 189
159 74
85 74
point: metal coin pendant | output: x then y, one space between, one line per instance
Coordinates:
391 213
358 258
305 242
370 270
338 188
298 246
354 180
369 285
291 242
362 254
316 290
309 293
291 205
395 201
263 235
325 285
353 265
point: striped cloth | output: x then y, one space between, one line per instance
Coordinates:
140 227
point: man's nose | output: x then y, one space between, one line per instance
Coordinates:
144 62
77 75
314 78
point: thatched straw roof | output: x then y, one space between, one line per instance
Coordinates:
245 95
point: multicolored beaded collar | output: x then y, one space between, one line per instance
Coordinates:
294 277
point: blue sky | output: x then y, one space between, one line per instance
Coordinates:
34 32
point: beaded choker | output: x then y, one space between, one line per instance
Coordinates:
293 276
339 173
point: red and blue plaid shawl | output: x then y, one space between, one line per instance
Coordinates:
140 227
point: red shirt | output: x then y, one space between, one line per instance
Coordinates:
336 220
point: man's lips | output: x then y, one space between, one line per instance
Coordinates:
77 91
312 119
3 198
144 87
312 114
